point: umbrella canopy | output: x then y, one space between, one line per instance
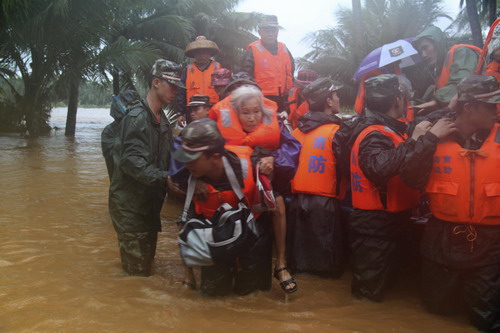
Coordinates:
387 54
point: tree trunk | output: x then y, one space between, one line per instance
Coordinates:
74 88
475 25
358 30
492 11
116 83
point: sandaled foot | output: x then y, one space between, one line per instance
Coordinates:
287 282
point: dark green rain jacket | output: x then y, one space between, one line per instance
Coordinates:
464 64
138 184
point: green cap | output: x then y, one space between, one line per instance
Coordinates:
382 86
198 137
169 71
319 90
482 88
197 100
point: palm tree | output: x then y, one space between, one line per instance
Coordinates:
334 51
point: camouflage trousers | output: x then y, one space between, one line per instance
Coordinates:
137 251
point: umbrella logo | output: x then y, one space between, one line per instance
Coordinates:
397 51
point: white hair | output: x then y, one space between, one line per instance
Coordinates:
243 94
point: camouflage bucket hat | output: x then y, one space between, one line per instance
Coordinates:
197 138
197 100
482 88
168 71
382 86
319 90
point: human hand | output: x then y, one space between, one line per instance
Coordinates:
201 191
174 187
426 107
421 128
266 165
443 128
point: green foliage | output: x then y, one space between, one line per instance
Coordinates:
383 21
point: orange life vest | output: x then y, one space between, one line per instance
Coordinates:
484 52
273 73
217 198
444 77
299 112
198 82
464 185
293 99
265 135
365 194
316 173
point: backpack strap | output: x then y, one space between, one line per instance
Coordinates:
235 185
189 197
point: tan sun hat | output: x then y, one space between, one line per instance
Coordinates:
201 42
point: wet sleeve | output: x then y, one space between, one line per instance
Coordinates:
136 151
247 64
464 64
418 161
379 159
181 95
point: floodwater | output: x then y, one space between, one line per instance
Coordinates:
60 269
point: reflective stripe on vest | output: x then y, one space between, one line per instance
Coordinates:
217 198
365 195
316 172
265 135
464 185
198 82
273 73
444 77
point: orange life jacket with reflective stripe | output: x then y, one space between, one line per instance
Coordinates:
273 73
217 198
365 195
301 110
198 82
464 185
484 52
316 172
265 135
444 77
293 99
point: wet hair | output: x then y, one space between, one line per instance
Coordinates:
243 94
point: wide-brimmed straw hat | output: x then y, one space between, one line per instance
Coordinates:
200 43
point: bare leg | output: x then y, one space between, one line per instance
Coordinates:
279 226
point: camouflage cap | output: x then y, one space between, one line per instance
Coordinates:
220 77
382 86
198 137
482 88
168 71
319 90
197 100
270 21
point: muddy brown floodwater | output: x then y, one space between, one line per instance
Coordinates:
60 269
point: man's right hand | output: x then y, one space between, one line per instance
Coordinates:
201 191
443 128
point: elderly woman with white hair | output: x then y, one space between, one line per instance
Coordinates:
247 118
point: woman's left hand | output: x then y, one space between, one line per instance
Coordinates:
266 165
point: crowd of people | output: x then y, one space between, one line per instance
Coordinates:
343 191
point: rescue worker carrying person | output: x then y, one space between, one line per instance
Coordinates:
202 151
382 203
197 76
445 67
314 231
141 155
270 63
457 163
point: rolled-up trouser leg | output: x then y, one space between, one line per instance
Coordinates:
482 296
373 259
440 287
137 251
